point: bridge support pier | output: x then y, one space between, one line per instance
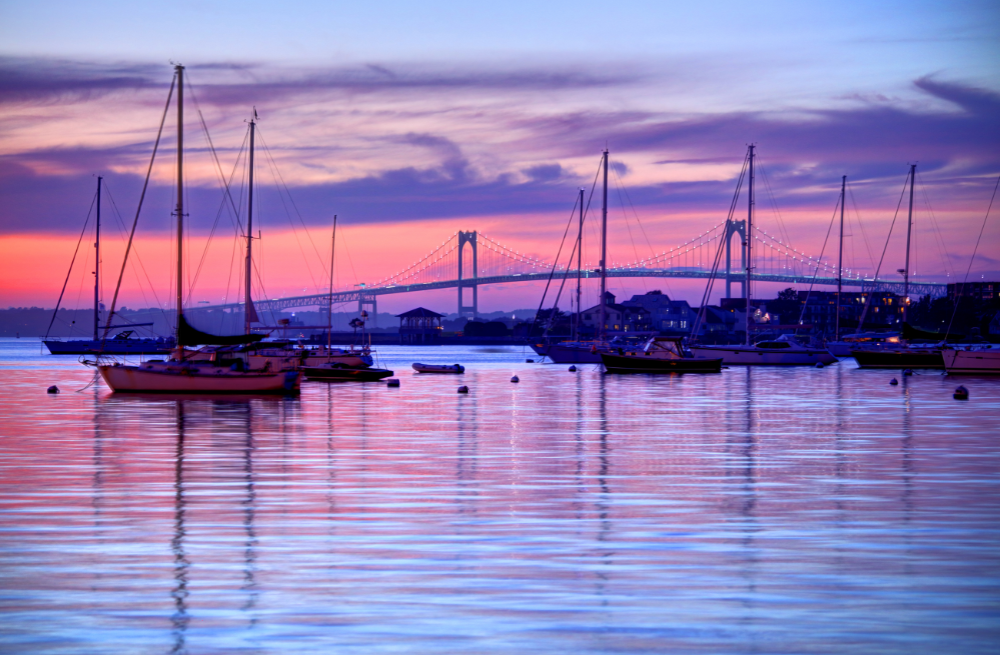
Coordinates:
369 300
736 228
463 309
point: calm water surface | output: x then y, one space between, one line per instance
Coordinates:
753 511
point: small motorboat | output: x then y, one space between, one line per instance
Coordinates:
336 372
439 368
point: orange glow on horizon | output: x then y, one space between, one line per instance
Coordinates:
293 263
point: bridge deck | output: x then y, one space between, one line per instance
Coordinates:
320 300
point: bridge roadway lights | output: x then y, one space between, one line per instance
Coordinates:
321 300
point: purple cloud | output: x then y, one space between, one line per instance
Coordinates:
804 153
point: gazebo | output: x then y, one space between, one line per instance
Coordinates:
419 325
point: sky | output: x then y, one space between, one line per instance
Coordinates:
411 121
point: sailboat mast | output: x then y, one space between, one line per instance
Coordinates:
604 250
247 305
579 272
840 257
749 237
97 263
329 304
909 230
180 205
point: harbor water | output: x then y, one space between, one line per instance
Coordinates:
758 510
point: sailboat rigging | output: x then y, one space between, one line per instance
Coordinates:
181 374
783 351
120 344
906 355
342 365
281 354
577 351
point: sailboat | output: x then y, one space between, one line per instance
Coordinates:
180 374
783 351
981 359
842 348
659 355
335 368
906 356
575 351
339 357
281 354
121 343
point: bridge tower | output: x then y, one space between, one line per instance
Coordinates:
736 228
464 310
369 300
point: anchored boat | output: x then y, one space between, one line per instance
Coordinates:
438 368
783 351
571 352
122 343
179 374
981 360
341 373
660 355
908 357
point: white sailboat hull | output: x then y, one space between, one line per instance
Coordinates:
175 377
983 362
753 356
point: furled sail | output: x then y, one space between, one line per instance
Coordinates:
192 336
910 333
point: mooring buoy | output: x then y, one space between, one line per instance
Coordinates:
53 389
572 369
819 364
907 371
894 381
529 361
515 379
961 393
392 382
463 389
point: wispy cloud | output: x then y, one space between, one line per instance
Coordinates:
44 80
499 142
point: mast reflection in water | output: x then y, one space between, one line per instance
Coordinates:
811 510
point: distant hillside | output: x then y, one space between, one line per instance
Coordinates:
79 323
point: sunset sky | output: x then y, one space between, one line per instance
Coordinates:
411 121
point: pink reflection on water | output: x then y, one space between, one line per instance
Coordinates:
588 512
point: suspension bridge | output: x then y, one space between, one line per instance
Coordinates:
468 260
